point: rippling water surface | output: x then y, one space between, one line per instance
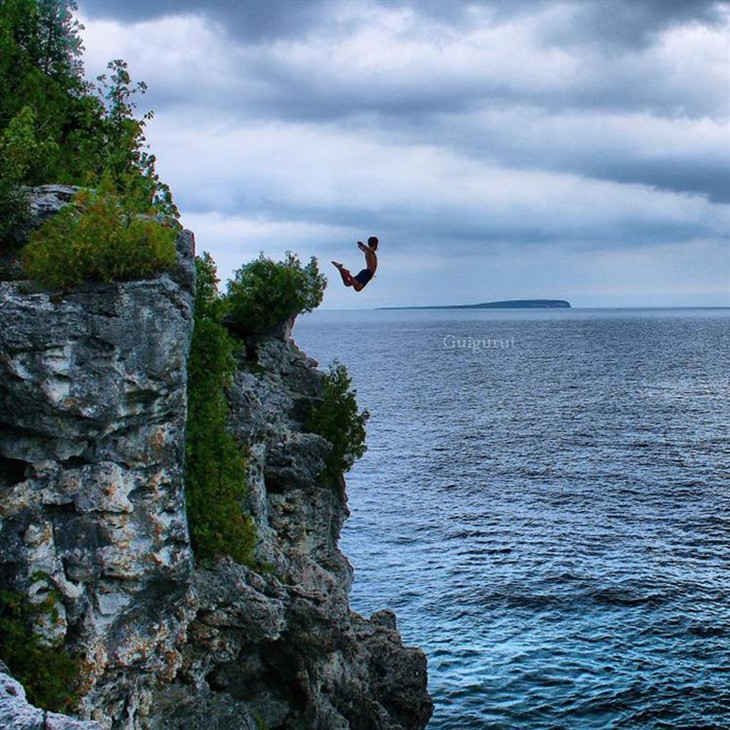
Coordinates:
545 503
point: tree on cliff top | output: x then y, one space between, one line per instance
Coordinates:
41 70
264 293
86 129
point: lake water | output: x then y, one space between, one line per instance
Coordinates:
545 503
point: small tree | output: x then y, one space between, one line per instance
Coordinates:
125 152
208 302
19 152
215 471
337 419
265 293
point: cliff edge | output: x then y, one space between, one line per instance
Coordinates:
93 528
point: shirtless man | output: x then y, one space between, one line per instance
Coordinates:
360 279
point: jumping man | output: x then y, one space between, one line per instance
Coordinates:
360 279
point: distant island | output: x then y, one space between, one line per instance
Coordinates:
509 304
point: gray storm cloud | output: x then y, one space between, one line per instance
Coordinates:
462 126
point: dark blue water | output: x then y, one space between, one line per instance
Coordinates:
545 503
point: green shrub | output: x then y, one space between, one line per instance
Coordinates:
19 152
14 211
215 483
338 420
98 239
49 674
265 293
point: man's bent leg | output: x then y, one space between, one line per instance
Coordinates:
347 279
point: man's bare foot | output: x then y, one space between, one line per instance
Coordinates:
339 266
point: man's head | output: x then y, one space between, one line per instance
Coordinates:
373 242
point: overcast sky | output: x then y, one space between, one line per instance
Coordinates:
500 149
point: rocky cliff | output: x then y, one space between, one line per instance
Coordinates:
92 521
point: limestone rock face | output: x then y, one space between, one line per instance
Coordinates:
92 426
47 200
279 645
92 515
